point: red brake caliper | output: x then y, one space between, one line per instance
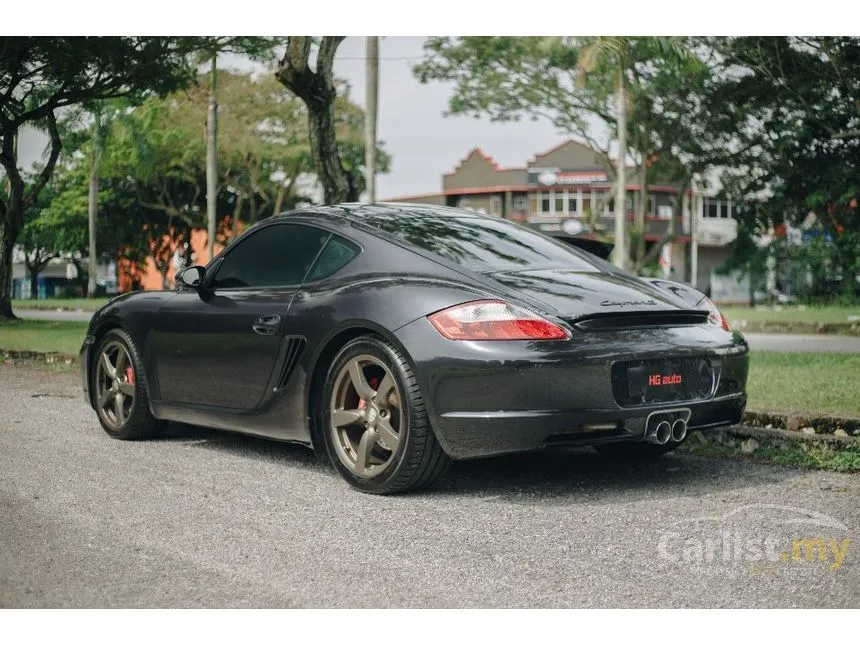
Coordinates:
373 383
129 375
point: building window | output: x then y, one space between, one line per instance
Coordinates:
545 204
717 209
520 203
652 205
559 204
495 205
712 208
572 205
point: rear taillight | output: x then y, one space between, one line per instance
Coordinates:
715 318
493 320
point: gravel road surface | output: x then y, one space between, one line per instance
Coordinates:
204 518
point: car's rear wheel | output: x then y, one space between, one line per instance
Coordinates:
119 388
375 425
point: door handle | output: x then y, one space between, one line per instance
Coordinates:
266 325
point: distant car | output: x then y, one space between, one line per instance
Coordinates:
395 338
774 296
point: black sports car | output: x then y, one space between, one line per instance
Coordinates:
394 338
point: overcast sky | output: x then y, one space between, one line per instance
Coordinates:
422 142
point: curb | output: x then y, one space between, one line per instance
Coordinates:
803 424
41 357
833 441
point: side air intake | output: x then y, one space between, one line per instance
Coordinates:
295 347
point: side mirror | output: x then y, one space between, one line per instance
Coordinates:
192 277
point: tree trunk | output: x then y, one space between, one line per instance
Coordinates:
237 211
279 200
641 223
371 117
330 173
12 210
252 210
7 241
212 158
317 91
93 208
620 253
34 285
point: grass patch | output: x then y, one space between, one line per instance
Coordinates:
805 383
60 336
793 313
783 453
73 304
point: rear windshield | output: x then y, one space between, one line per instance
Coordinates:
482 244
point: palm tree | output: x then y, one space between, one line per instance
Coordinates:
615 57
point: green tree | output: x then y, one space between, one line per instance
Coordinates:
786 110
39 77
153 164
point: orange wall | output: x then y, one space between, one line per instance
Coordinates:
152 278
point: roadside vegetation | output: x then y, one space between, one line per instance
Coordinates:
66 304
798 454
60 336
805 383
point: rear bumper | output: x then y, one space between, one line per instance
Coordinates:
493 398
466 435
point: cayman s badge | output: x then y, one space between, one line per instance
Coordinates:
626 303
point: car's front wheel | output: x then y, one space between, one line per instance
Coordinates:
119 388
375 425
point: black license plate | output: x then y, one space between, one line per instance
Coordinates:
664 380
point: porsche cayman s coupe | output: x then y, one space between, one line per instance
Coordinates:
395 338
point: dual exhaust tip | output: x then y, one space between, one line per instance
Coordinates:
663 428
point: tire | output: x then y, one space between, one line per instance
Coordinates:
381 447
639 451
131 417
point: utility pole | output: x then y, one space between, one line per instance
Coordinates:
93 204
371 116
211 157
694 240
620 254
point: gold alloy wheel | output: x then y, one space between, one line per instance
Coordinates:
114 383
366 416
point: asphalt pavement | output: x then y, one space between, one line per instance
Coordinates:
205 518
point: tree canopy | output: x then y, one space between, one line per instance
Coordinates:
39 76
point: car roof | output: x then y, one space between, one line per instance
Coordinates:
358 212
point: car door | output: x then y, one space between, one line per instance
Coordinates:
219 347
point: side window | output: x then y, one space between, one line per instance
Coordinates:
334 257
277 255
